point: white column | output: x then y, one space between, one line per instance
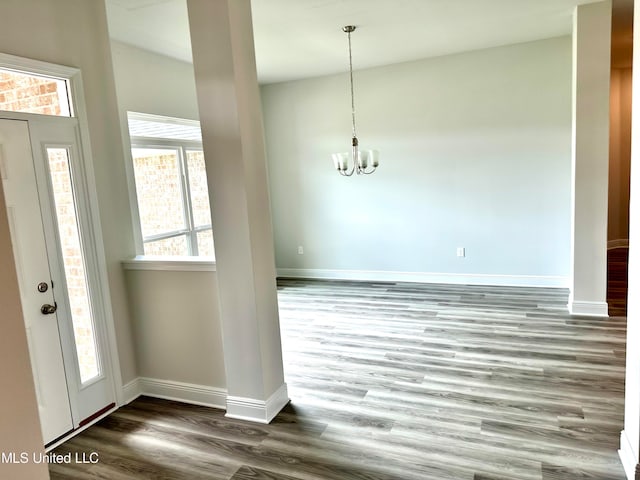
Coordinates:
233 140
590 158
630 437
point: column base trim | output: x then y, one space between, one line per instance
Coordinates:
628 458
594 309
241 408
255 410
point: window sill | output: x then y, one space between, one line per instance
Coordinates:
181 264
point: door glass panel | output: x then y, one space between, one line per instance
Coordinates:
159 190
74 265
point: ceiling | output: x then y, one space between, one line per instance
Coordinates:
302 38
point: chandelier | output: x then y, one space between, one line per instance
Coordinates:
358 161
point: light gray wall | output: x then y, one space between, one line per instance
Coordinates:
176 326
151 83
175 314
475 153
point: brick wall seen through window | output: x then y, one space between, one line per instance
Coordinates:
20 92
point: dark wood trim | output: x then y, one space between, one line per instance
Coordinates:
57 439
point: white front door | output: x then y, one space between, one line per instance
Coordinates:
32 265
56 276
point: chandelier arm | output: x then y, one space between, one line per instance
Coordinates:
372 169
344 172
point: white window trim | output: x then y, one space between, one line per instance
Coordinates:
151 142
68 79
150 117
161 263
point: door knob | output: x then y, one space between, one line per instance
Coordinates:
47 309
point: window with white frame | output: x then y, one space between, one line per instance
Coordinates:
170 186
33 93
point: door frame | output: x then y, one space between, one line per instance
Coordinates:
87 201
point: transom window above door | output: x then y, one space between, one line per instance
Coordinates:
172 199
30 93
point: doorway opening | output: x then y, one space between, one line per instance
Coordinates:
619 159
47 180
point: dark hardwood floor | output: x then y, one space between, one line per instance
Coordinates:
617 280
399 381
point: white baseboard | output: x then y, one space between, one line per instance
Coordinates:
593 309
426 277
262 411
182 392
131 391
628 458
255 410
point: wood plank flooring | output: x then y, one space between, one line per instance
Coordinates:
399 381
617 280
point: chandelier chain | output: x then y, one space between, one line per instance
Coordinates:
355 162
353 103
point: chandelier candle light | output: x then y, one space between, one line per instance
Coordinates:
362 161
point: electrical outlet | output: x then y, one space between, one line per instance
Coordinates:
300 250
460 252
